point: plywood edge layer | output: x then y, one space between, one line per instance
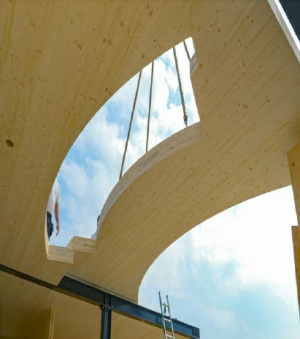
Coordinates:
166 148
193 65
66 254
82 244
295 235
61 254
45 330
57 253
294 166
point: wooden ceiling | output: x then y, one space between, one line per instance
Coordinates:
61 61
26 308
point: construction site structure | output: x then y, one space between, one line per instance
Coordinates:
60 62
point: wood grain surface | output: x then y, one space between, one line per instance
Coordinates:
60 61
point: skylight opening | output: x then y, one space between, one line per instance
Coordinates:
93 164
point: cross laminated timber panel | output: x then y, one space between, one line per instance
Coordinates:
61 61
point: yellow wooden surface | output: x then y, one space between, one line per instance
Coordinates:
294 165
247 87
51 324
45 328
296 244
28 312
26 309
61 61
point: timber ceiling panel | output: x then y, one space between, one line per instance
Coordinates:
61 61
247 88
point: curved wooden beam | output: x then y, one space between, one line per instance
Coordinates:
250 119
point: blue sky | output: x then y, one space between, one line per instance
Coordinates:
233 275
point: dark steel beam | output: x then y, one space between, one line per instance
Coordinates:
124 307
107 301
106 311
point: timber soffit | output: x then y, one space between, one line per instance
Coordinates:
90 294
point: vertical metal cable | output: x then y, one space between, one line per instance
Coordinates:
150 101
129 129
185 117
186 49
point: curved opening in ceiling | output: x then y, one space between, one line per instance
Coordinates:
92 166
233 276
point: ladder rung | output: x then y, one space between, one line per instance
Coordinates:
166 318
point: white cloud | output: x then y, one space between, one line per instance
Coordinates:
101 137
233 272
256 235
168 274
88 177
223 319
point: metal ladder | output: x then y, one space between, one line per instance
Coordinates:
166 319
